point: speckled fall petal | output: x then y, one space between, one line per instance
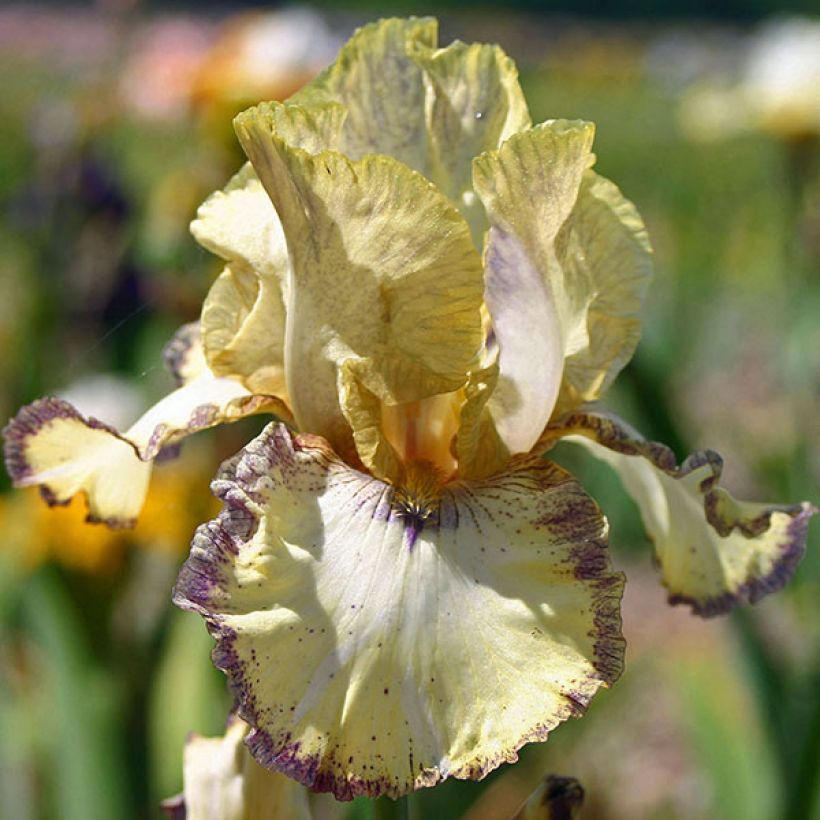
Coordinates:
376 648
222 781
714 552
51 444
383 272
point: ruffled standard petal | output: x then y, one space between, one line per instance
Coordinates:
51 444
432 109
603 248
381 86
529 188
377 644
243 316
383 272
223 782
714 552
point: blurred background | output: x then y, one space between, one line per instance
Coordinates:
115 124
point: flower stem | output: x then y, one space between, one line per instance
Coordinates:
386 809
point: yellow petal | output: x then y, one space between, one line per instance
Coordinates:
243 329
604 250
376 645
240 225
480 451
223 782
432 109
380 84
529 187
50 444
474 104
383 271
714 552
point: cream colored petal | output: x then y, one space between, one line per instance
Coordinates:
50 444
243 318
383 272
380 84
432 109
529 188
378 645
240 225
603 250
243 329
222 781
714 552
474 103
480 450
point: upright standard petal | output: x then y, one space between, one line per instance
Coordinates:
529 187
474 104
243 318
568 239
50 444
223 782
714 552
381 85
432 109
383 272
604 249
378 645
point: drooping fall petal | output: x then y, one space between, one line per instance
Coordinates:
714 552
378 643
222 781
383 272
51 444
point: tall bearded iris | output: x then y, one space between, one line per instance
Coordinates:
429 292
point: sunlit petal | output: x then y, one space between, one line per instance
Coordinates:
383 271
603 249
378 645
51 444
529 188
433 109
714 552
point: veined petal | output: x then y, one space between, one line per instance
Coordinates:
222 781
714 552
243 318
480 450
383 272
474 104
603 248
243 329
377 647
380 84
529 188
50 444
432 109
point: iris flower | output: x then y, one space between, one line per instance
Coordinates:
429 292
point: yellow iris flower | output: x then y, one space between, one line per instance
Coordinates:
429 292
